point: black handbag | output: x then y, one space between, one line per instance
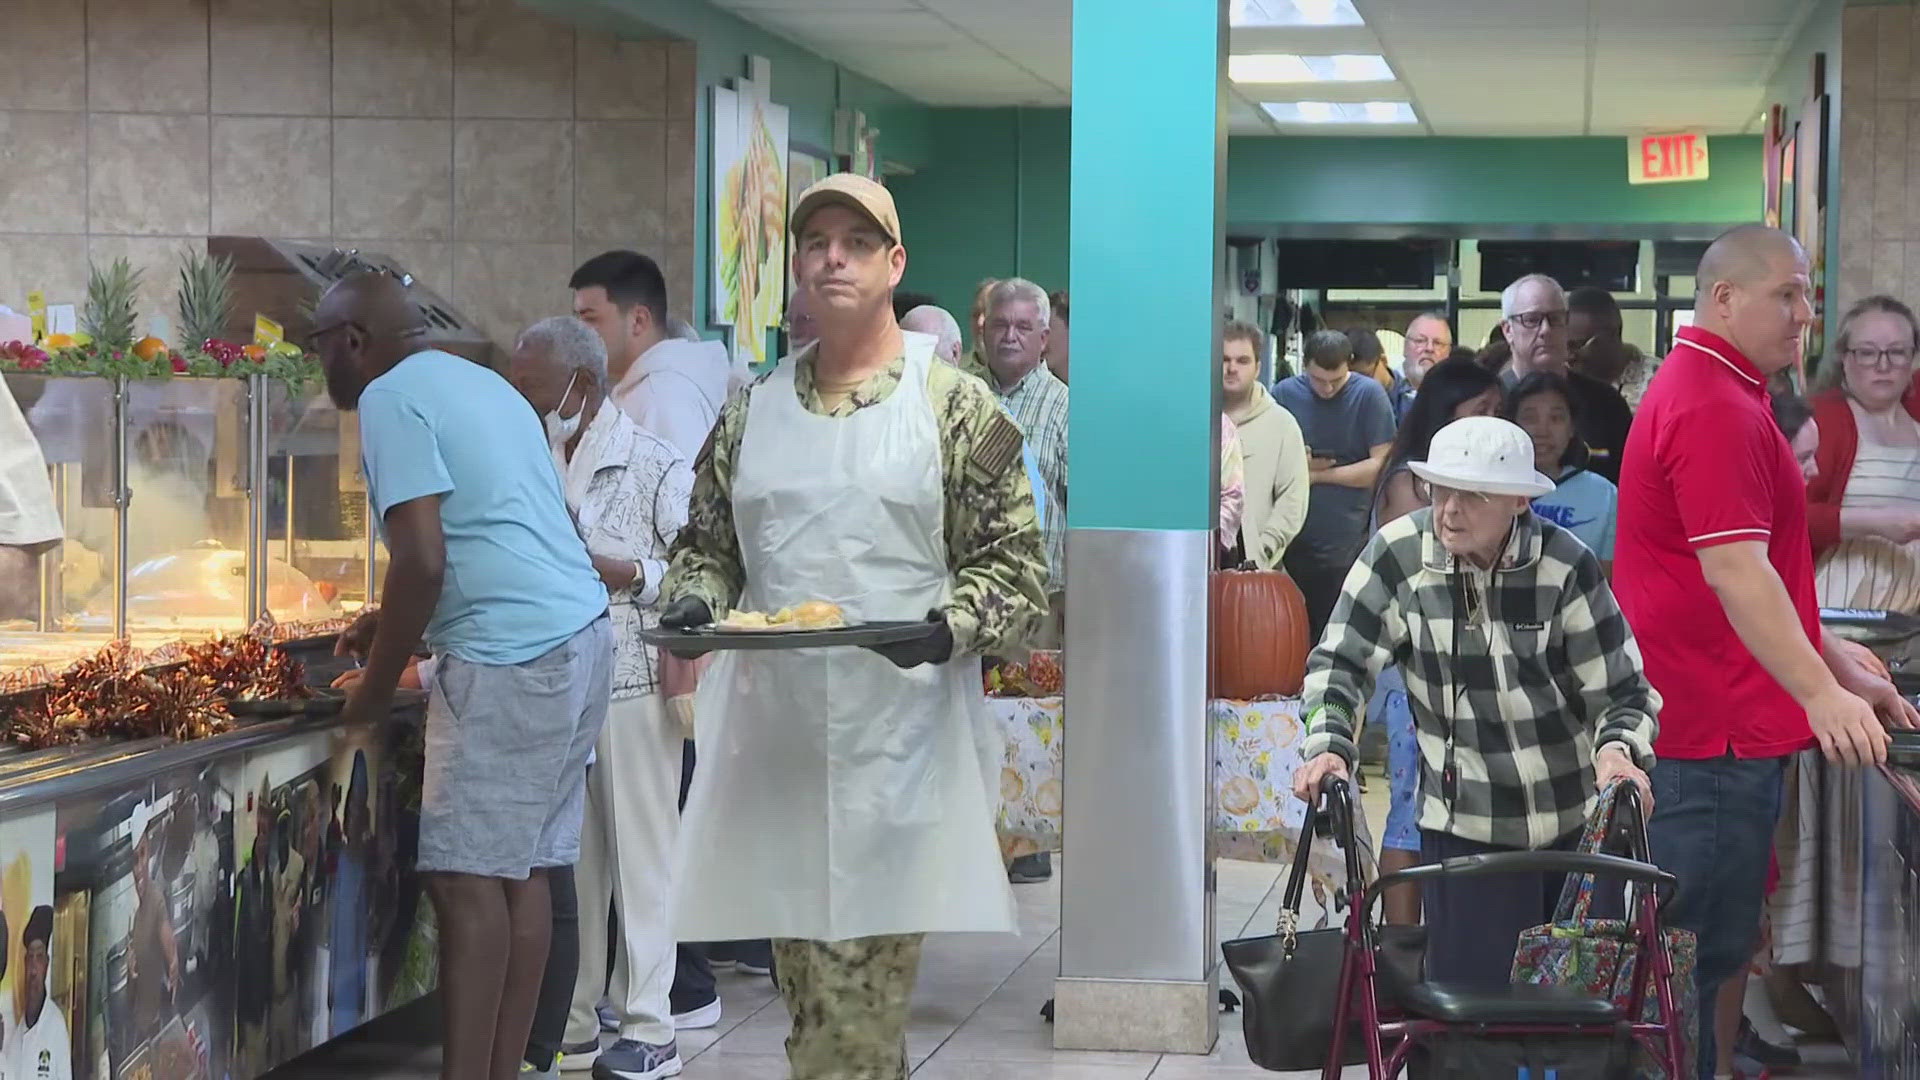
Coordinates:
1291 978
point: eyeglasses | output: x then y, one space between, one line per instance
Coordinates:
1436 344
1881 359
1534 320
1436 496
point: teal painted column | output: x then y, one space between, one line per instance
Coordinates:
1137 955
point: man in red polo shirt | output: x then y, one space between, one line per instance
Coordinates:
1714 571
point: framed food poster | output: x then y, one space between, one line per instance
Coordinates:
806 166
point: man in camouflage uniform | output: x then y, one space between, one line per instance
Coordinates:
845 804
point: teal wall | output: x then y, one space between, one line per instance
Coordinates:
992 198
991 201
1464 182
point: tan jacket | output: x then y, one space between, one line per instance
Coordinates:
1276 477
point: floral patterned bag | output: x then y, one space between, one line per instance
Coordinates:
1599 956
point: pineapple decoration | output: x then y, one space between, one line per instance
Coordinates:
205 303
109 315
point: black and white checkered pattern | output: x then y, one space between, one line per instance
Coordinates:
1519 674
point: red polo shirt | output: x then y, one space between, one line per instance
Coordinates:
1706 465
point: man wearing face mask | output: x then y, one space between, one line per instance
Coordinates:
628 490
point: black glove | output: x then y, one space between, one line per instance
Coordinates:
935 648
686 613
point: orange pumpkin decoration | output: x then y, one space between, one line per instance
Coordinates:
149 348
1260 635
254 352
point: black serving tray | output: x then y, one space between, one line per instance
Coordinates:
706 639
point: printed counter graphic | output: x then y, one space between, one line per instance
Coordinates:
218 920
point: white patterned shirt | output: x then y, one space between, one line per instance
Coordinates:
636 490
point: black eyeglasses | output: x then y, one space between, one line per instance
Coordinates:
1534 320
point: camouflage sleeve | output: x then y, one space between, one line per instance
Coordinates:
994 547
706 555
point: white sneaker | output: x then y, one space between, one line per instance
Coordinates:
705 1016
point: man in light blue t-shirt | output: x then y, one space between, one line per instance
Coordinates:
485 566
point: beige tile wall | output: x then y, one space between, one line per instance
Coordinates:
488 148
1879 154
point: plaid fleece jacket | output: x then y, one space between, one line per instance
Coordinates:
1516 675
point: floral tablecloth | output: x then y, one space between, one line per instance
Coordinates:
1256 748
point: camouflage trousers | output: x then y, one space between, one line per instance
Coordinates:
849 1003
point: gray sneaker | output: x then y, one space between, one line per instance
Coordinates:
579 1057
631 1059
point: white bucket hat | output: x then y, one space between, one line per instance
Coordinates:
1484 454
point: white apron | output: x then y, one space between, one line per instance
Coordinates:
838 796
27 514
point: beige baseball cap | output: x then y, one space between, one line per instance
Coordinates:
855 192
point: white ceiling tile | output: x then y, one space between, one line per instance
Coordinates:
1471 67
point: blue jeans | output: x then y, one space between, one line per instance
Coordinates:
1712 829
1390 709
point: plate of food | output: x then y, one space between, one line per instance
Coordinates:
814 624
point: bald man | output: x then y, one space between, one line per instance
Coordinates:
1714 571
939 324
487 568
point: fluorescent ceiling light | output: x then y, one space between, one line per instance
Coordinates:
1295 13
1341 112
1278 68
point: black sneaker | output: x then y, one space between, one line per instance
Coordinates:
1031 869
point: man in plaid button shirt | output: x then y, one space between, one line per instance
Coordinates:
1524 678
1017 331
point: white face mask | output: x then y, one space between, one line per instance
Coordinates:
561 429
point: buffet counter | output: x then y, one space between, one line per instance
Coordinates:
217 907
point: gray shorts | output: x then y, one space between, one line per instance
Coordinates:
506 760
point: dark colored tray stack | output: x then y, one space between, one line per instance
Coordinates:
708 639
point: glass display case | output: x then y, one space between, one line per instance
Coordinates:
187 508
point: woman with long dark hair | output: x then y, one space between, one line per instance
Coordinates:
1583 502
1452 389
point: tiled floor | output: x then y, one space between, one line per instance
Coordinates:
976 1013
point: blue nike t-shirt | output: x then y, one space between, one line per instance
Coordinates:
1585 504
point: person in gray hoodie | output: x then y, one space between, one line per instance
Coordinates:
1271 443
670 386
